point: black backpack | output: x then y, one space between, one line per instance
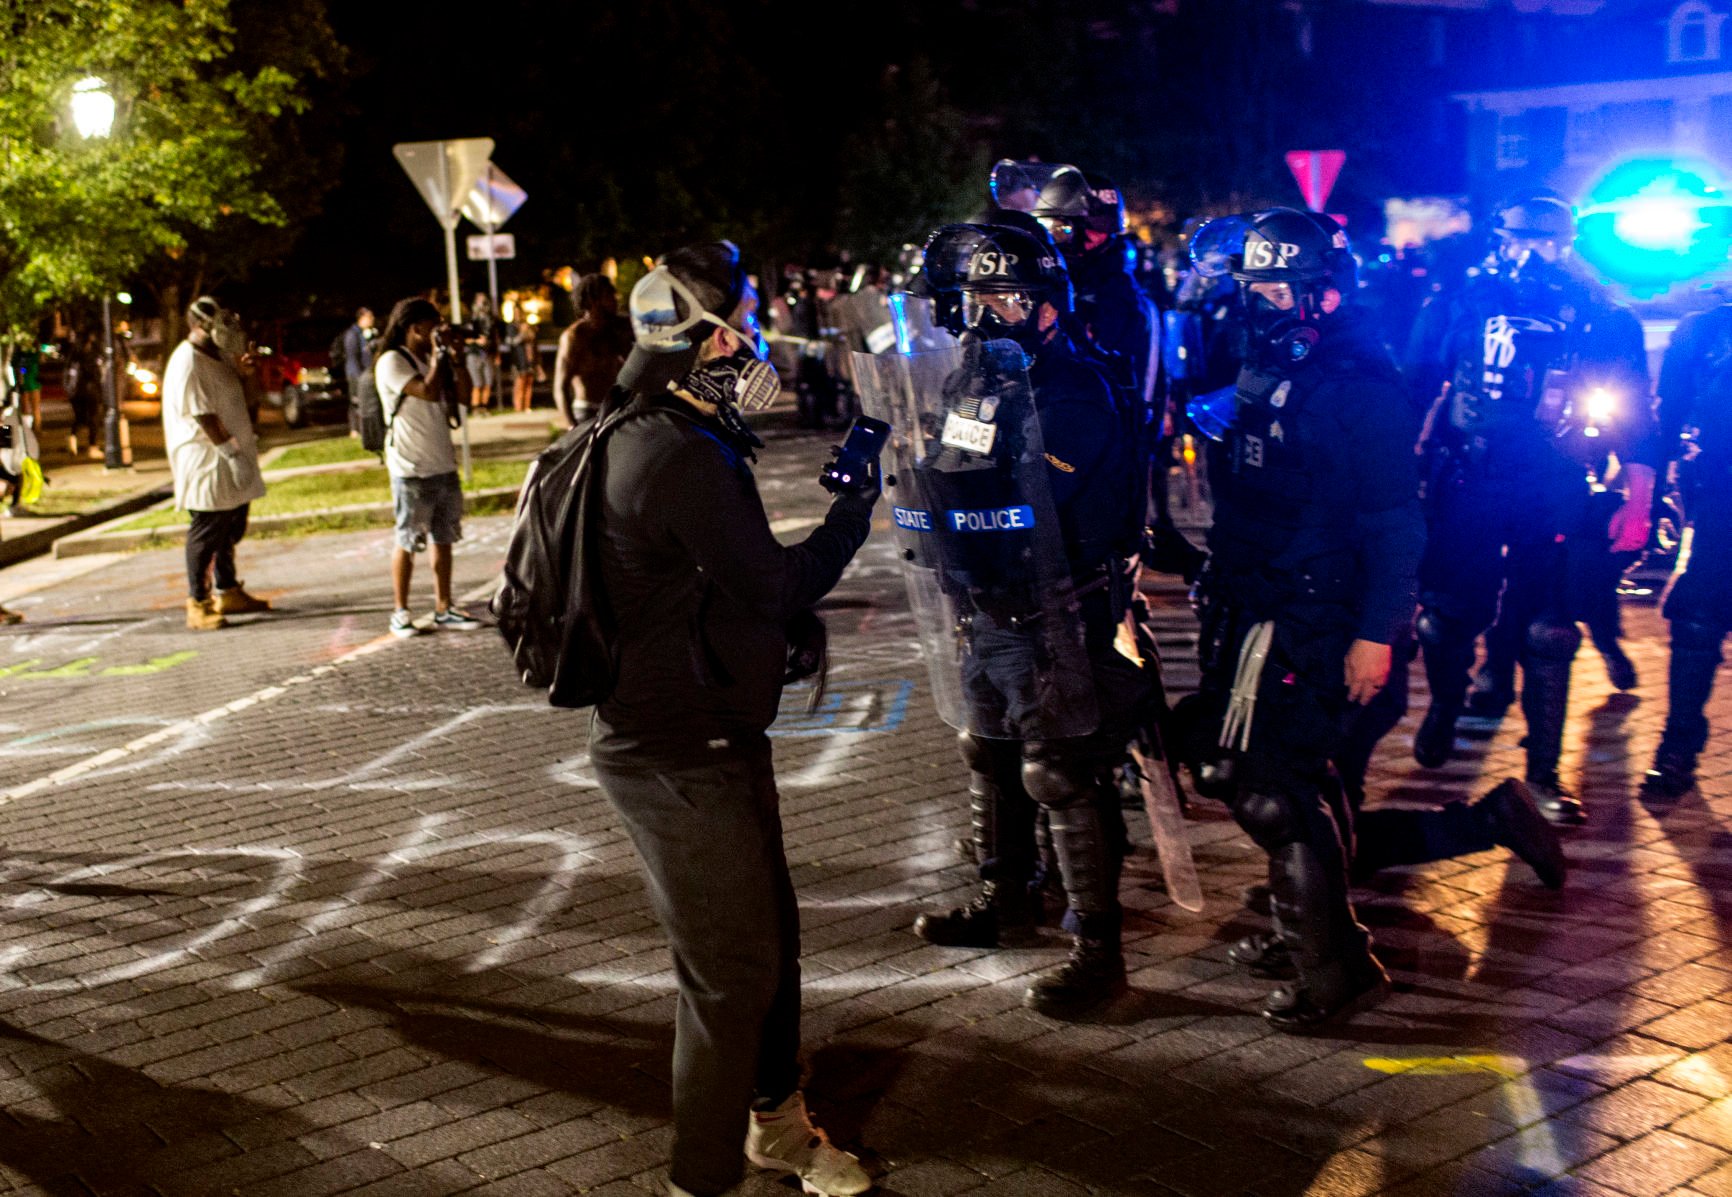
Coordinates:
549 605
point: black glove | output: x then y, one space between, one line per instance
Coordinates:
866 487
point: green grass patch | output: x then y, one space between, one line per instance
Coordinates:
333 450
341 488
74 502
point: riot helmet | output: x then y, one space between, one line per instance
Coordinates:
1283 262
1536 233
1063 206
992 280
1106 206
1015 186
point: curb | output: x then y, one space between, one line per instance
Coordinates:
44 540
104 539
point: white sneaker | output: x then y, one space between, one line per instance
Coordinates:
784 1139
403 624
453 620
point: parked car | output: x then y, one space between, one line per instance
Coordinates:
297 373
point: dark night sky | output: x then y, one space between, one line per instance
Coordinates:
791 126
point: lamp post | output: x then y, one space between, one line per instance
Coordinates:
93 114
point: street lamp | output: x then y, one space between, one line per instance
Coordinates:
93 114
92 108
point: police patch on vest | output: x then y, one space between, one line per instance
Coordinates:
991 519
913 518
1279 398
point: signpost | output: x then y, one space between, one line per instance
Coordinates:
492 247
444 172
490 203
1316 171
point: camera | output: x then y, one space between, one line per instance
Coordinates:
865 441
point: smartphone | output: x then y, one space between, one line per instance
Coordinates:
864 442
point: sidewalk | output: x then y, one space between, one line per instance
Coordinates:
82 495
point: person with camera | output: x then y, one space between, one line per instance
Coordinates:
213 453
421 388
702 598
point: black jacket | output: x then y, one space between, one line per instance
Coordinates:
1318 491
700 592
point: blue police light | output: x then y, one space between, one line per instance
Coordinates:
1654 222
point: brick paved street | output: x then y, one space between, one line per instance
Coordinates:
305 911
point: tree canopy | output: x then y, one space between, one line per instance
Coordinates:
203 140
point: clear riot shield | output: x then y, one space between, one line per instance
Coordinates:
977 530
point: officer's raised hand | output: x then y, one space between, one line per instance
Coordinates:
1367 669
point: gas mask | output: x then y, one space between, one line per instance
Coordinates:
1279 336
221 325
739 381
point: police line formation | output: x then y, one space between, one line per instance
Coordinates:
1496 483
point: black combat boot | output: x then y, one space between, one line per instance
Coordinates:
1003 914
1434 742
1516 822
1264 955
1689 685
1560 807
1673 775
1094 974
1489 696
1337 974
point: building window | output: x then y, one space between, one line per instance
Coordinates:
1512 140
1584 135
1693 32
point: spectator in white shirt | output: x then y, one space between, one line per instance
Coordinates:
214 455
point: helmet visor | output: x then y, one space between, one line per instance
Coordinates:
1218 245
1017 185
1010 309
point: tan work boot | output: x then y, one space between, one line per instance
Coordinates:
237 601
202 615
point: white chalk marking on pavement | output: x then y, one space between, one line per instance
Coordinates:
364 777
552 894
83 768
288 872
820 770
425 828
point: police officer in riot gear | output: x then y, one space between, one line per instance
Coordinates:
1024 425
1535 374
1696 400
1313 554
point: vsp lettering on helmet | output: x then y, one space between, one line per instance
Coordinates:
1269 255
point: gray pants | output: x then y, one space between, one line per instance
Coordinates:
710 838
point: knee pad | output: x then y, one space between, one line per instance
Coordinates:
1698 637
1269 819
1553 641
1434 629
1058 782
